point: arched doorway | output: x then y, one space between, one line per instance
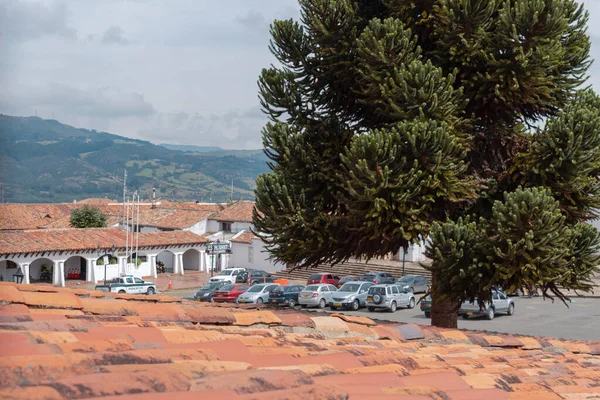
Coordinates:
168 259
7 269
191 260
41 270
76 268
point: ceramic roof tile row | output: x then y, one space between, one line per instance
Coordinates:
32 241
57 343
236 212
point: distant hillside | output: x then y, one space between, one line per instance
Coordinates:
190 148
46 161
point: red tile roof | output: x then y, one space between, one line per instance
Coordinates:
172 218
78 344
245 237
31 216
33 241
236 212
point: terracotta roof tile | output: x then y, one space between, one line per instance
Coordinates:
143 349
244 237
20 242
172 218
236 212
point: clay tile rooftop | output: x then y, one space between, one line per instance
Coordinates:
79 344
236 212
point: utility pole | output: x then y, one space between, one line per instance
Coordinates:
124 194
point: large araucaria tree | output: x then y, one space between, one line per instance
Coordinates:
464 121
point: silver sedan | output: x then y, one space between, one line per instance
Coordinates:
316 295
351 295
257 294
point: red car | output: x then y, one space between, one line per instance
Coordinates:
229 293
324 277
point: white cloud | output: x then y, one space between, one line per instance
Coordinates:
114 35
21 21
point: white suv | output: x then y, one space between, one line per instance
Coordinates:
228 275
389 297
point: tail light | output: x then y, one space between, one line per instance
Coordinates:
315 295
375 282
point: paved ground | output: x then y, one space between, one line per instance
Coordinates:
534 317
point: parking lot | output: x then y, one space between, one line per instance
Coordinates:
533 316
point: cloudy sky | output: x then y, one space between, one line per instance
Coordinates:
175 71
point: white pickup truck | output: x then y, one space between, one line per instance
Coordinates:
128 284
501 304
231 275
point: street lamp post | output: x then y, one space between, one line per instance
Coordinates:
18 277
405 250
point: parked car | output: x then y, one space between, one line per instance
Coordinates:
500 304
257 294
378 278
426 306
414 283
324 278
316 295
351 295
285 295
389 297
255 276
128 284
347 278
229 293
228 275
207 291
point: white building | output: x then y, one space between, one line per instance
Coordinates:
75 253
248 251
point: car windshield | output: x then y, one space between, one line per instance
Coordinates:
255 289
225 272
212 285
350 287
406 279
286 288
311 288
377 290
227 288
368 277
314 278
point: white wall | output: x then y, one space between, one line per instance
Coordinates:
212 226
198 228
112 271
252 256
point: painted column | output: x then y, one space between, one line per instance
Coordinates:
25 269
202 260
90 274
122 265
61 273
55 272
153 265
179 263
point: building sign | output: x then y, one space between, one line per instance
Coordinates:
217 248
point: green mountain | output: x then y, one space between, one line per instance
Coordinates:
188 148
46 161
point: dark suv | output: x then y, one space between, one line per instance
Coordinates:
378 278
259 276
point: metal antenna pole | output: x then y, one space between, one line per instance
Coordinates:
137 234
124 191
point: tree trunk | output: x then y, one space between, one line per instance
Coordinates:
443 312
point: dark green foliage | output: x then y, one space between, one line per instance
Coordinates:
87 217
565 157
389 115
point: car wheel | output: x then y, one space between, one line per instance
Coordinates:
490 314
322 303
371 308
511 309
411 303
465 316
122 292
259 300
427 314
150 291
355 305
393 307
291 302
333 308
